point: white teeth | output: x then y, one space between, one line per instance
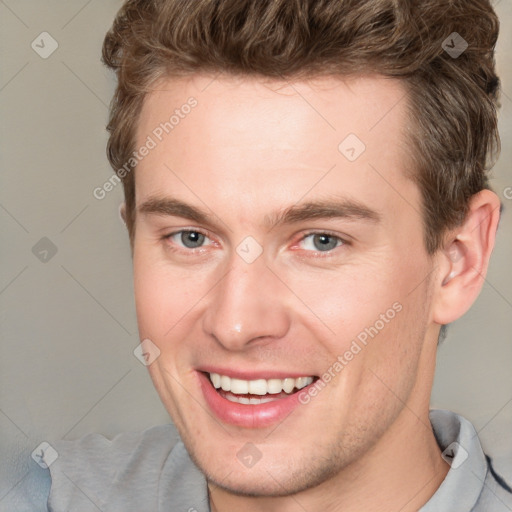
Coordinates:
225 383
288 385
258 386
245 400
302 382
240 387
256 401
215 378
274 386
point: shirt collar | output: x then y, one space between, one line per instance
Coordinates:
461 448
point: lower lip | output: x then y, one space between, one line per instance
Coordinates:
248 415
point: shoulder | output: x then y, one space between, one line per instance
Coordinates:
110 455
28 494
496 495
124 473
472 482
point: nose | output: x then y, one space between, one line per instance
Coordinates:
249 303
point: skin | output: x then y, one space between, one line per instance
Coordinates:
249 149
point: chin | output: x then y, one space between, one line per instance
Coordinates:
271 479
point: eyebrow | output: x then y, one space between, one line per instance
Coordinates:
323 209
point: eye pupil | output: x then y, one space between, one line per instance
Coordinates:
192 239
326 242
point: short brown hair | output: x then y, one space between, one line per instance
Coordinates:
452 99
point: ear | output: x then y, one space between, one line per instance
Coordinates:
464 258
122 212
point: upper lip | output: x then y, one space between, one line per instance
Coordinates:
254 374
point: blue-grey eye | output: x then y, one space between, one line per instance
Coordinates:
192 239
321 242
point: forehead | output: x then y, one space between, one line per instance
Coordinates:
324 104
275 138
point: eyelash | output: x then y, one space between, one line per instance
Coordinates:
318 254
185 250
324 254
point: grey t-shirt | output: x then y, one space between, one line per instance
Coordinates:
152 471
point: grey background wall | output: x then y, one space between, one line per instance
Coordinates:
67 315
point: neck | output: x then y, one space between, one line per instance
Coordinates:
401 472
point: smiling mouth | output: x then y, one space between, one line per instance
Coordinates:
258 391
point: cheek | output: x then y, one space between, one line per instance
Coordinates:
162 297
349 300
370 318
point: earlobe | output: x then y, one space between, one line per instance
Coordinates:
464 259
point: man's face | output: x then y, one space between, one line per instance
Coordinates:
341 287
